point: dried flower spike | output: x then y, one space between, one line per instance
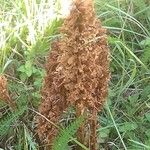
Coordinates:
77 74
4 95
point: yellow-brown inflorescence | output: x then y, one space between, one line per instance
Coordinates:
77 73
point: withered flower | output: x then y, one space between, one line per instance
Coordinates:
4 95
3 88
77 73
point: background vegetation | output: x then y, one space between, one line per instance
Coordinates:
27 29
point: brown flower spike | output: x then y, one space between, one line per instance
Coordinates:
3 88
4 95
77 74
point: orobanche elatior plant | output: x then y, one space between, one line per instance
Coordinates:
4 94
77 75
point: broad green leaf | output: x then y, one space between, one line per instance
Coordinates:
28 67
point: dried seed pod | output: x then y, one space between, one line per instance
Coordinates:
77 73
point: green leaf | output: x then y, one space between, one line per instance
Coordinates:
23 76
128 126
146 55
145 92
21 68
28 67
147 133
104 133
133 99
147 115
145 42
38 82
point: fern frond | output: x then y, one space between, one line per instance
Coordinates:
29 139
62 139
9 119
146 55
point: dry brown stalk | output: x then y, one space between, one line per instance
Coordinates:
77 73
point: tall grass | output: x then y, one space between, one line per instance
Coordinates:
124 126
23 23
